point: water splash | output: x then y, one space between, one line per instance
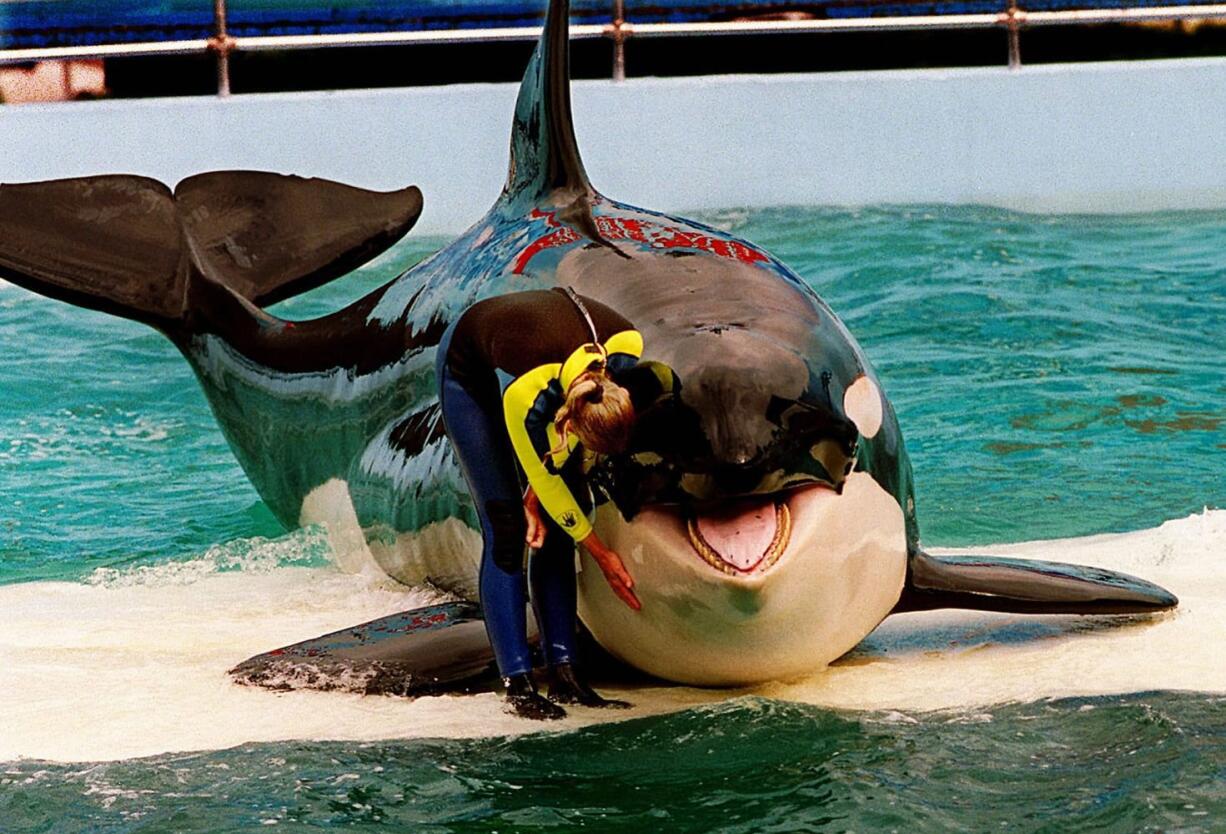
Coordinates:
309 546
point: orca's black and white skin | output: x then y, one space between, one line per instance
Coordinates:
765 508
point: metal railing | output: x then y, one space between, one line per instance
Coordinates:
1011 19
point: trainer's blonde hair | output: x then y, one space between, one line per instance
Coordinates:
598 411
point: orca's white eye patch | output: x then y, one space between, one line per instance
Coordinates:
862 405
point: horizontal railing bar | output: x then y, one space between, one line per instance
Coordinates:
1083 16
267 43
278 43
112 50
628 30
783 27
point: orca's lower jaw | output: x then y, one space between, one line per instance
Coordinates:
753 588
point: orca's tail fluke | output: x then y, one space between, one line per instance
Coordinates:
129 246
1025 586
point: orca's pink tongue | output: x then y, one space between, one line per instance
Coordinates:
740 533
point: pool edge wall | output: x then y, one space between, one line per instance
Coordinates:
1105 137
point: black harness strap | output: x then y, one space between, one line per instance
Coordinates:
582 308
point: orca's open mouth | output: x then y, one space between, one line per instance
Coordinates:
742 536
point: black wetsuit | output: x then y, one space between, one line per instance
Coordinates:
503 368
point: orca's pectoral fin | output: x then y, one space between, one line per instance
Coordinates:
269 236
991 583
441 648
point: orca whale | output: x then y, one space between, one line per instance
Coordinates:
765 506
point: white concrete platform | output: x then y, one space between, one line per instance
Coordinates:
1107 137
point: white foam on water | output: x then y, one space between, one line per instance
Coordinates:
134 663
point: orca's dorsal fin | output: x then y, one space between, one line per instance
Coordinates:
544 154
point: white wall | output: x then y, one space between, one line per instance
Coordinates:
1091 137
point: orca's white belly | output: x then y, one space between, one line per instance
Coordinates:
841 574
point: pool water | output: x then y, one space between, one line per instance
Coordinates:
1054 376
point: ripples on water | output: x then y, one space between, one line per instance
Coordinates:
1054 376
1150 762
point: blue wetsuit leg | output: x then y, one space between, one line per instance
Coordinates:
483 449
551 573
551 576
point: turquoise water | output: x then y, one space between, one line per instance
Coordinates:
1054 376
1152 762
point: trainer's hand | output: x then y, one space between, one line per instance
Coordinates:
535 536
615 572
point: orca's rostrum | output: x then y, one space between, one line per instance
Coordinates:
765 508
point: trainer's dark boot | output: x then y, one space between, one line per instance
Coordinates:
565 687
523 700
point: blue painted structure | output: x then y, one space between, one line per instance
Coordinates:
46 23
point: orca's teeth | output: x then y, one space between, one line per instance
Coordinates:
779 543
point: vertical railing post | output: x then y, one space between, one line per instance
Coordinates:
619 40
1012 20
221 45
